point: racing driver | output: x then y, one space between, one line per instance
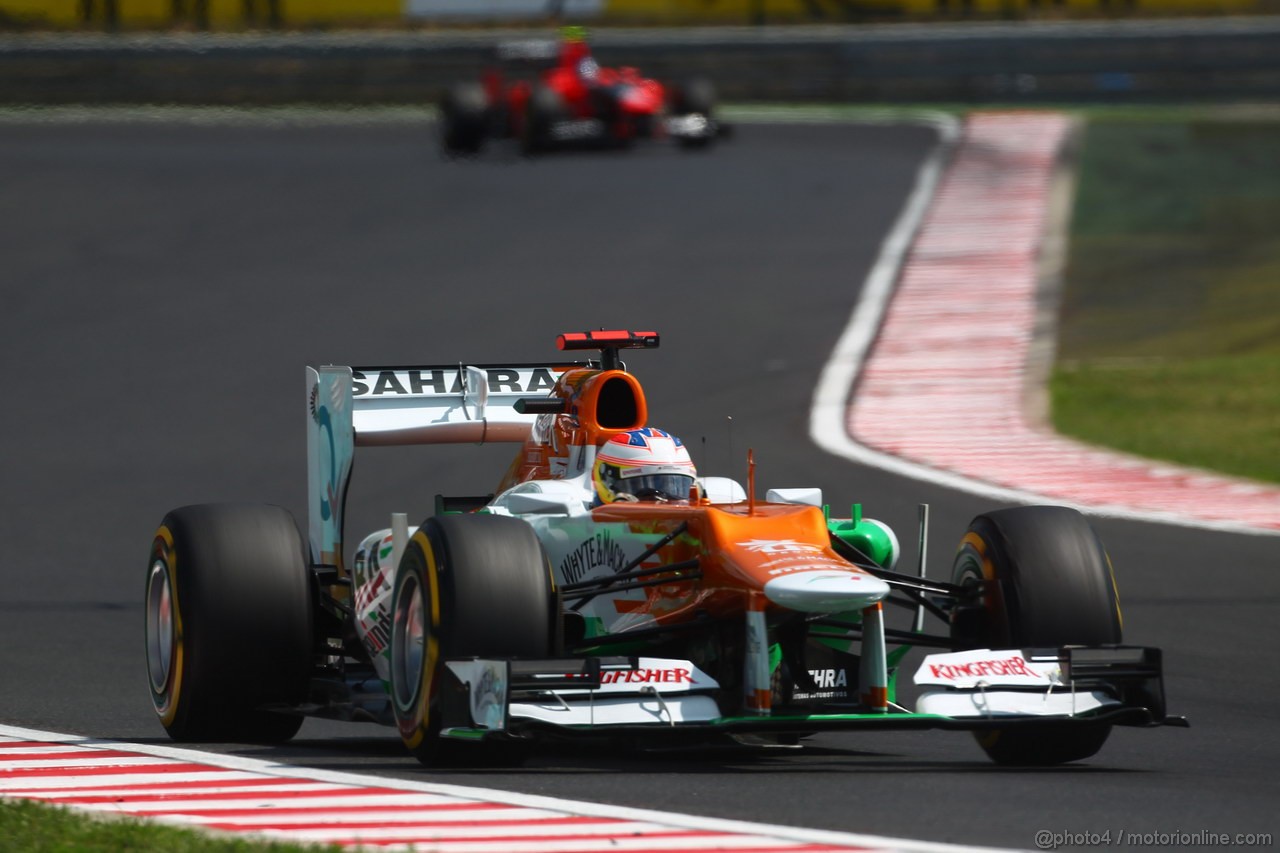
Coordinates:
648 464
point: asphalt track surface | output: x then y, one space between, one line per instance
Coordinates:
164 284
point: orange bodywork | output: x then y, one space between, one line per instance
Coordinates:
738 547
589 396
737 552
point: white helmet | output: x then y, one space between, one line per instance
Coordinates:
643 464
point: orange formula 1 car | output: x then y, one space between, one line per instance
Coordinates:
607 588
550 95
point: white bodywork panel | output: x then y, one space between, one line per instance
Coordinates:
987 668
1004 682
998 703
723 490
807 497
373 573
582 549
621 710
487 683
426 405
659 691
825 591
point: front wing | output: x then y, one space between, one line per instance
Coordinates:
664 699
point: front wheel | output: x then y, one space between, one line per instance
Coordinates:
470 585
228 623
696 98
1040 577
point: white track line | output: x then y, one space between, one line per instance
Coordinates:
432 817
928 379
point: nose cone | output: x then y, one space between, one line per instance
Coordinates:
825 591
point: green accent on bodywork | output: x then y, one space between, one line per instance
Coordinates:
865 536
459 733
835 643
593 626
775 656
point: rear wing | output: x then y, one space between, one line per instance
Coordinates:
538 52
351 407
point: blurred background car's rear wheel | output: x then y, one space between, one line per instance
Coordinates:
544 109
464 119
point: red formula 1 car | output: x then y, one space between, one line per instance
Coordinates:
549 95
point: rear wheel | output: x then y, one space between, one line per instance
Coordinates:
464 119
470 585
544 109
1046 581
228 623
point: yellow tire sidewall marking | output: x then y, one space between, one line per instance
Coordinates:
431 654
987 739
979 545
1115 590
168 712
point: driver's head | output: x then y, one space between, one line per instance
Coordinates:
573 46
646 464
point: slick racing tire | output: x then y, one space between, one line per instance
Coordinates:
464 119
544 109
228 623
468 585
1051 585
694 97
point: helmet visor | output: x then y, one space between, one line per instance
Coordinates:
650 487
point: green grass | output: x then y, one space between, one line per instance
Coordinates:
28 827
1169 336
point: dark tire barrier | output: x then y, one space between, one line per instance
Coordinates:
1011 62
